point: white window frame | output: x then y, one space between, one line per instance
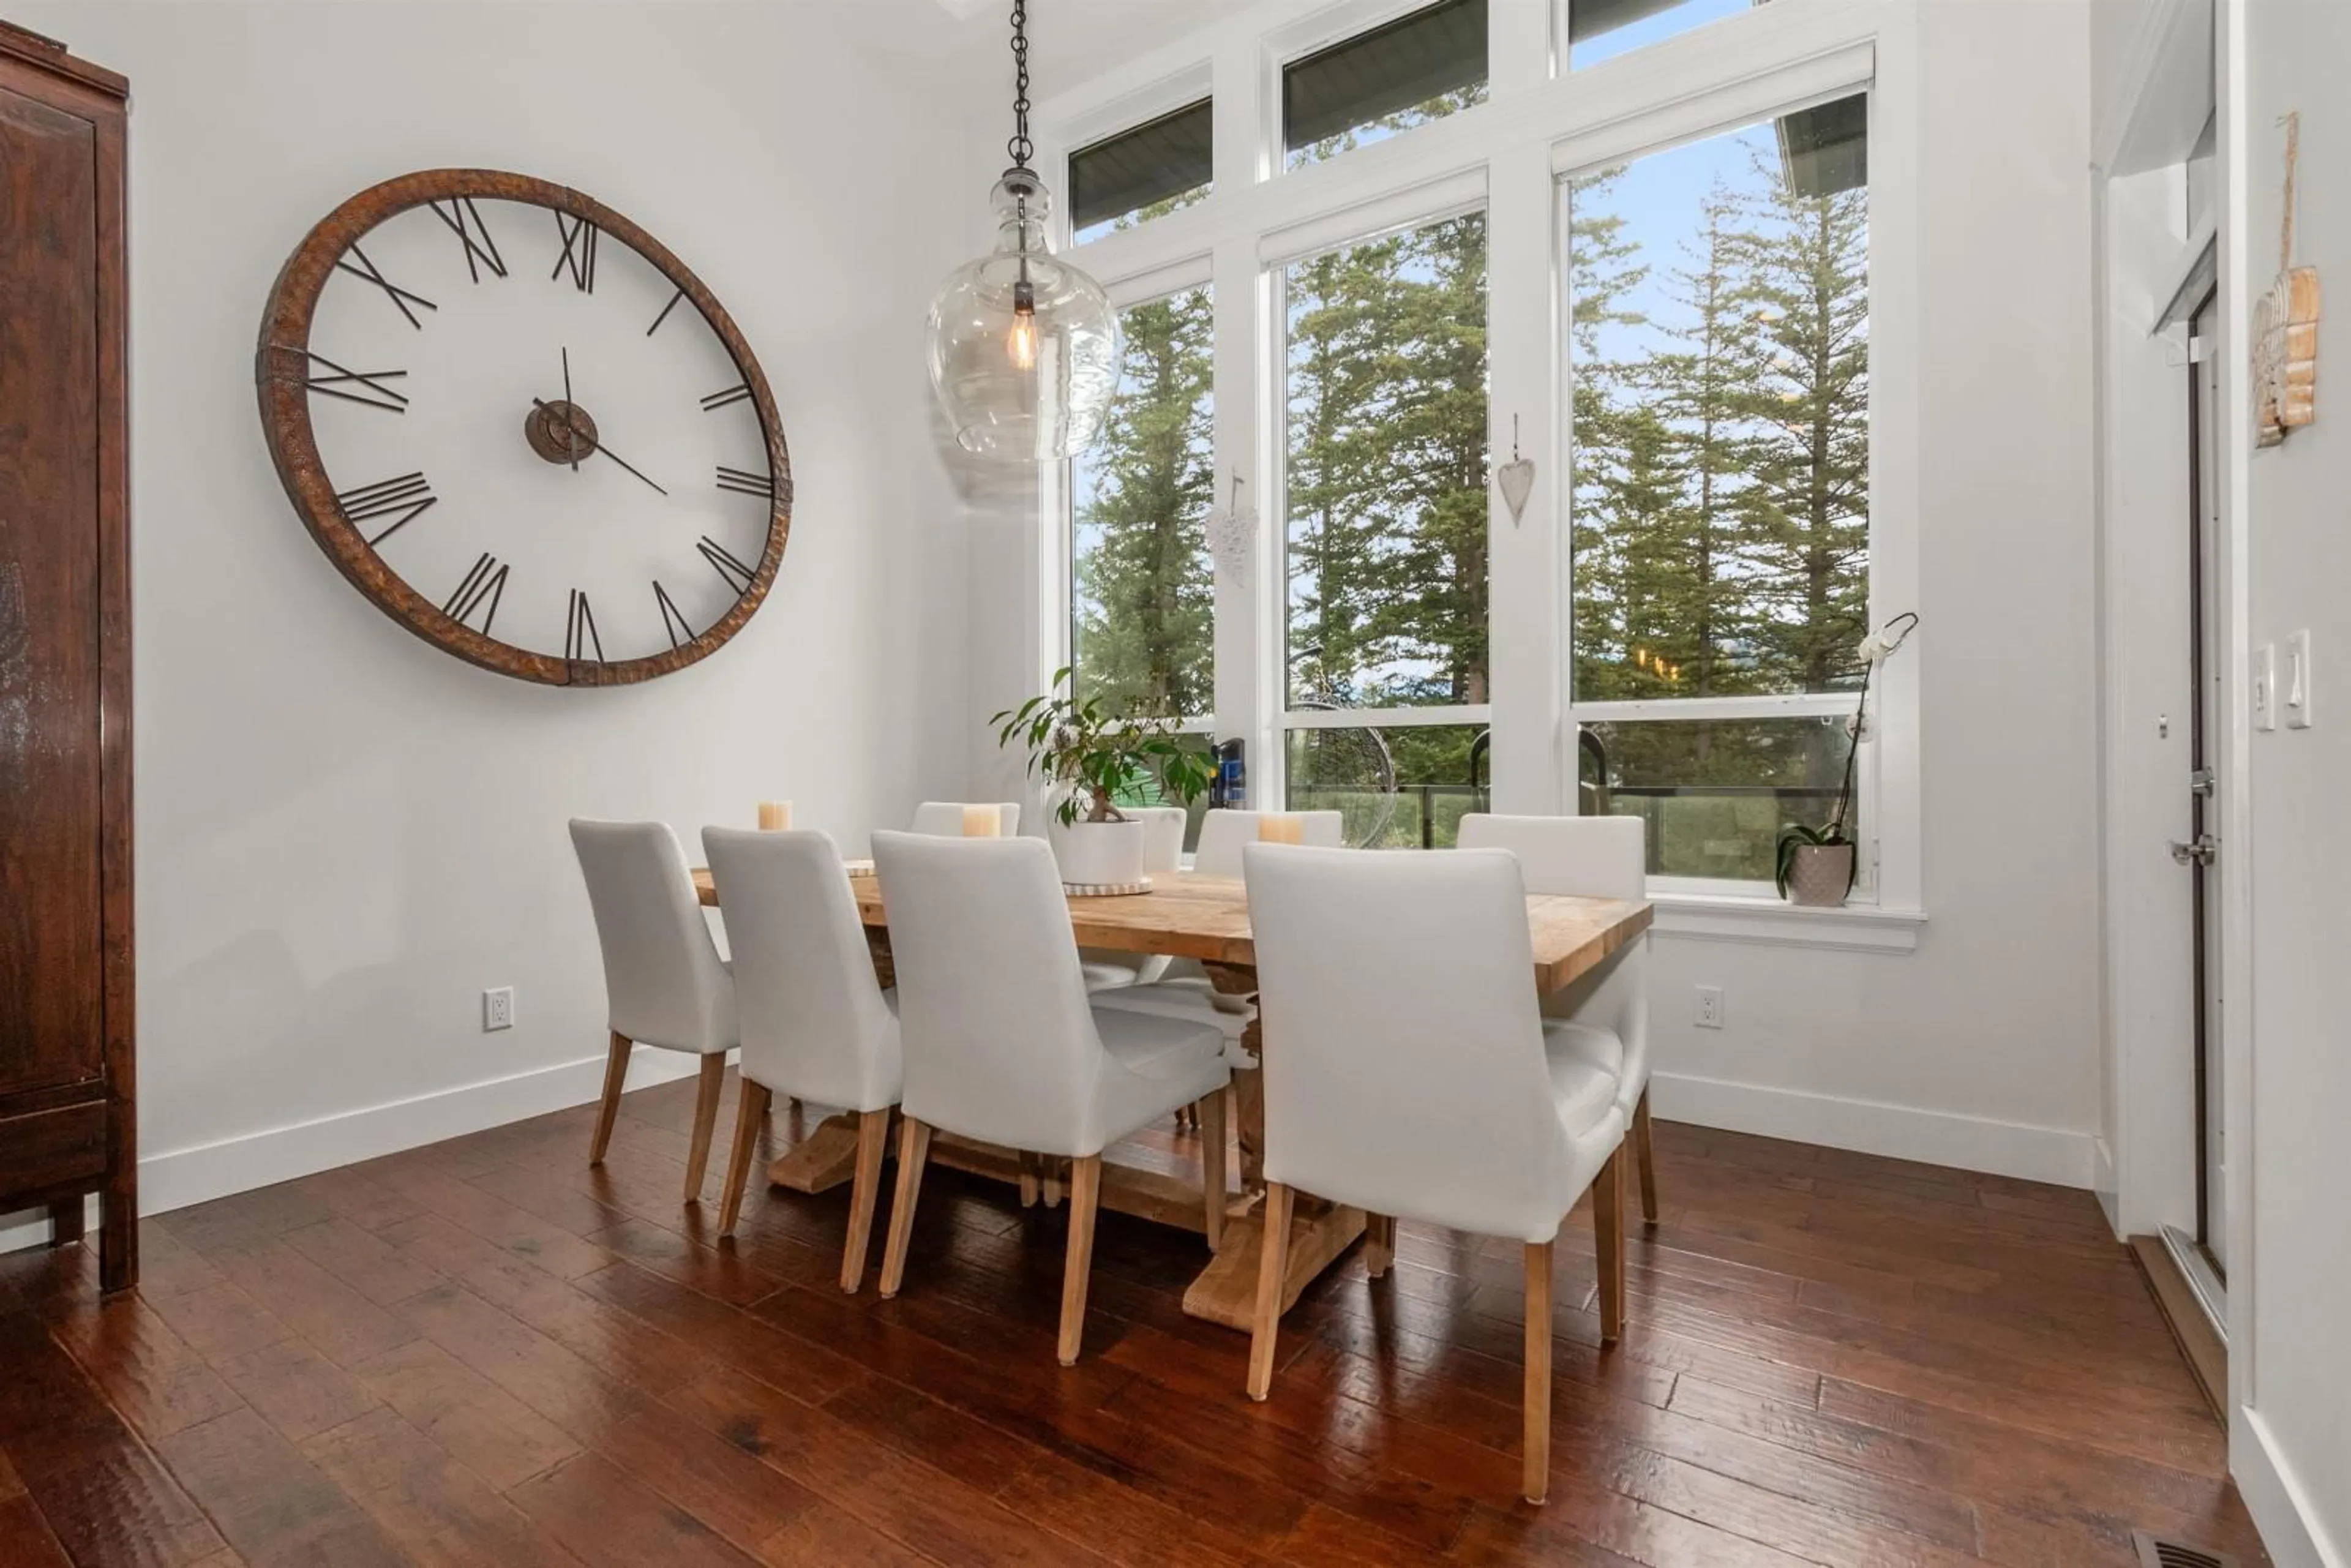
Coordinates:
1540 121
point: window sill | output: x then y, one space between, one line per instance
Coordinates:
1725 917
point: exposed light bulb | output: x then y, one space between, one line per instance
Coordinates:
1022 342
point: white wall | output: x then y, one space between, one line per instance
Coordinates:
1979 1049
2292 1431
343 835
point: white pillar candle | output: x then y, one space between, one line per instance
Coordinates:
775 816
982 822
1282 828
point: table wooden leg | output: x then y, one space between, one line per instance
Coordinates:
1210 1114
1249 1095
821 1161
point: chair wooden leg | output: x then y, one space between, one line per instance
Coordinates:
1536 1441
1608 1242
1211 1113
616 1074
1030 1186
751 1115
705 1121
1052 1181
1272 1264
67 1221
1379 1244
913 1149
872 1142
1085 1195
1648 1154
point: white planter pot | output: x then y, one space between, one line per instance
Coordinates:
1099 854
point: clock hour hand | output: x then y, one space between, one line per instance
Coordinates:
570 430
606 450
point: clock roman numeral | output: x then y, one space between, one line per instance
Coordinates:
672 619
743 482
719 400
580 630
665 312
465 220
365 388
401 499
486 583
725 563
579 255
401 299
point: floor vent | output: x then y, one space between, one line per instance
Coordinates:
2154 1551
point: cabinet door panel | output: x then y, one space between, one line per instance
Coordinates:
50 917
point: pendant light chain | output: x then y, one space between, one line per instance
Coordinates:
1020 146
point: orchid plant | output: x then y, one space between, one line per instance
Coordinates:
1872 650
1098 761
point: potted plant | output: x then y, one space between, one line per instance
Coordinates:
1816 865
1092 763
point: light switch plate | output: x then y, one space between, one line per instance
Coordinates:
2265 687
2294 696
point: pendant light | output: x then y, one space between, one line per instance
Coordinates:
1023 347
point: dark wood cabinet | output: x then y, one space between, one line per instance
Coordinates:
67 1123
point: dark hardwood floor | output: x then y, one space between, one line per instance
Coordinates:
484 1352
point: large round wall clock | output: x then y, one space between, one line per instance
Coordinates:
523 429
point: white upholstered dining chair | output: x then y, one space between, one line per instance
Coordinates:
816 1025
1181 989
664 983
1002 1044
944 818
1604 1016
1225 833
1408 1075
1163 855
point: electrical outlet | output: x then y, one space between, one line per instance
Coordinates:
1710 1006
498 1008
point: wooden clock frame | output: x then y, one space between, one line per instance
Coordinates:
281 369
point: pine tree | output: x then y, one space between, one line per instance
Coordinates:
1144 635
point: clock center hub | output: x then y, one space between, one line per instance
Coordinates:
560 432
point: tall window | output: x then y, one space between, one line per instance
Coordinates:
1385 485
1718 312
1142 592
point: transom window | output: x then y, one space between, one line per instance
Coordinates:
1140 174
1419 67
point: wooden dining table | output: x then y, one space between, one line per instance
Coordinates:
1204 918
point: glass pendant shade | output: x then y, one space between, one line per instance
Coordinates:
1023 346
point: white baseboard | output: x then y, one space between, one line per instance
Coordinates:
1901 1132
2109 1191
184 1176
2284 1509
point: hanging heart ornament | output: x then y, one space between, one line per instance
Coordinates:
1231 531
1516 478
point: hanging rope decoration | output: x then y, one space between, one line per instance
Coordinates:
1231 531
2285 326
1516 478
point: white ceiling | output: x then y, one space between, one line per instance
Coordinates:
1069 39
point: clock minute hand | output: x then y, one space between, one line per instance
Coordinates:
607 450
